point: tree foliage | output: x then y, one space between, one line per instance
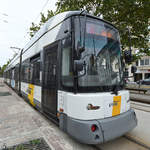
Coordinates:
132 14
4 67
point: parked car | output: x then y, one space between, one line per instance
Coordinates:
145 81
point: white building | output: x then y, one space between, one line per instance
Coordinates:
143 68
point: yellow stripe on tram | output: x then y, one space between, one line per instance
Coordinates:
116 105
31 94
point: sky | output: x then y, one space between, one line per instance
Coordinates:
16 17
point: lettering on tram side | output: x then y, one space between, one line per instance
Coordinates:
115 103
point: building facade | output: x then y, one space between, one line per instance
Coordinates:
143 68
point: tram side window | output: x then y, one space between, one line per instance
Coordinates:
7 76
67 75
12 74
35 71
16 75
25 71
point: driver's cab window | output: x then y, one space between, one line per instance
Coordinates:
66 73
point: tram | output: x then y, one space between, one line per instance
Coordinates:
72 70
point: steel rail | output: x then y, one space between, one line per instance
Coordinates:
136 141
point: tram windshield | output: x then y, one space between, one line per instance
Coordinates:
101 53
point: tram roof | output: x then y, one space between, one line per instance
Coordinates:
52 22
13 62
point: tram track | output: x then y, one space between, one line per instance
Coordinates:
136 142
140 101
123 143
140 97
140 105
142 110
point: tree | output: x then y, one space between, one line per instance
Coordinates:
33 29
133 14
4 67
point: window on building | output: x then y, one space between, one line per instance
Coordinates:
141 62
147 75
137 63
146 61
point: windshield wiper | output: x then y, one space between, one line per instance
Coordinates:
95 59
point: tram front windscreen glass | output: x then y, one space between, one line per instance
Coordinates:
101 54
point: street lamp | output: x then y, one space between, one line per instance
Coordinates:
4 14
13 47
5 21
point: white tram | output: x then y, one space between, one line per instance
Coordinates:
72 71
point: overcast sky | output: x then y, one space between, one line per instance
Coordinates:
15 19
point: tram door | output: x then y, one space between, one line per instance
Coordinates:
49 88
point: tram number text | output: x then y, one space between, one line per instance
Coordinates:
115 103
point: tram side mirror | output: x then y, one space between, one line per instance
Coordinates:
127 56
81 50
133 69
78 65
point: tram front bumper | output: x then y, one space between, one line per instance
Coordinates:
107 129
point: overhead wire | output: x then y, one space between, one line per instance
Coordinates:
4 14
38 15
41 10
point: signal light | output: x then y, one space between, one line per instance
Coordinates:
93 128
